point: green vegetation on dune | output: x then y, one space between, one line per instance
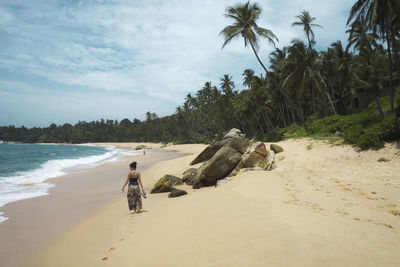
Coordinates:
364 129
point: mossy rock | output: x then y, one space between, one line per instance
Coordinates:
166 184
177 193
140 147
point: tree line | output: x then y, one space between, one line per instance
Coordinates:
301 84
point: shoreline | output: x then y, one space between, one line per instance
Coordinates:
35 223
324 206
46 175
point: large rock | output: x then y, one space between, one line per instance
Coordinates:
277 149
233 133
193 179
207 153
255 155
166 184
189 173
269 163
218 167
177 193
239 143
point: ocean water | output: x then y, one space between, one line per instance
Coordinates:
25 167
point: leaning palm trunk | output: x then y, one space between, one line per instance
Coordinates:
267 120
330 102
391 73
378 105
292 111
260 125
301 115
396 57
313 100
254 50
282 115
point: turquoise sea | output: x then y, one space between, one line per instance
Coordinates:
25 167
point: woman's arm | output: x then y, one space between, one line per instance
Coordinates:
140 181
126 182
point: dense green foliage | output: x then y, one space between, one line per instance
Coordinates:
364 129
323 91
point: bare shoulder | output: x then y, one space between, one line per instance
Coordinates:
134 173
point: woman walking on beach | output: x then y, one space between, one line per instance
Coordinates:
134 179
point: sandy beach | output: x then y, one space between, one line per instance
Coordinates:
323 205
36 223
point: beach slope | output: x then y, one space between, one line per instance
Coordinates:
323 205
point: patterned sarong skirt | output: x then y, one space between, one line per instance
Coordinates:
134 197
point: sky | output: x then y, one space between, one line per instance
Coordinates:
64 61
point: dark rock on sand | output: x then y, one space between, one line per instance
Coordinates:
239 143
255 155
383 159
177 193
277 149
193 179
166 184
189 173
223 162
207 153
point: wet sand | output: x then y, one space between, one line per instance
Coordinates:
36 223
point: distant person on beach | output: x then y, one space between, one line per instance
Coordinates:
135 186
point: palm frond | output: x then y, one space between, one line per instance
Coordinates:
230 33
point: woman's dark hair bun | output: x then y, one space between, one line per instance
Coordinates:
133 165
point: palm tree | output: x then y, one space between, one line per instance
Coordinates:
371 73
304 74
306 21
380 16
360 36
245 17
337 72
248 75
227 84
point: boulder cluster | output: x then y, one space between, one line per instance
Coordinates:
223 158
227 156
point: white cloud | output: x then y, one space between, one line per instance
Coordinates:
159 49
5 17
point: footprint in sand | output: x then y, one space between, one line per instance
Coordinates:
121 239
395 212
343 213
105 258
356 219
111 249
